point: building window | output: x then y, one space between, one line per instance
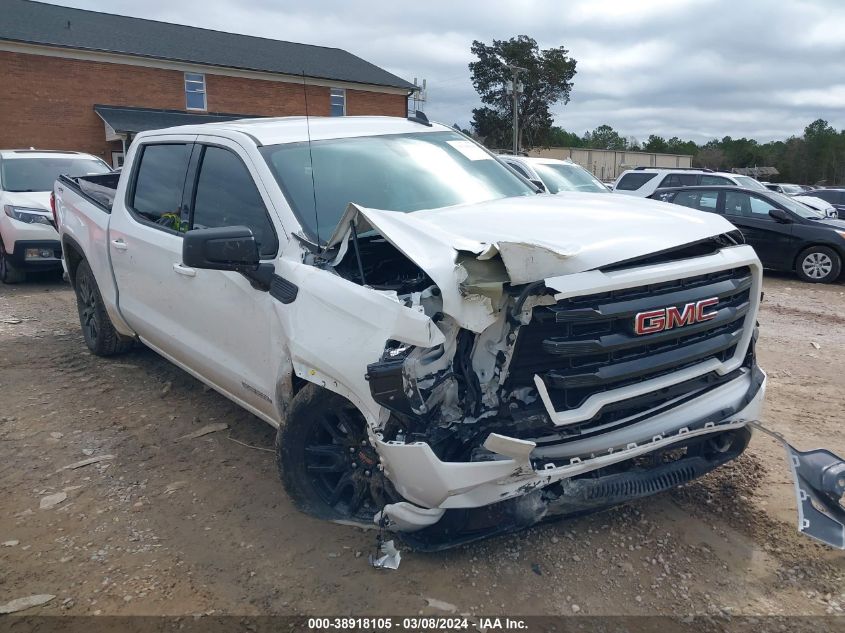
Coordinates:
195 91
338 102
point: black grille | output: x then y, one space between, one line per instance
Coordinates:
585 345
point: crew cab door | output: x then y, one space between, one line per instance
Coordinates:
145 242
235 334
212 323
772 240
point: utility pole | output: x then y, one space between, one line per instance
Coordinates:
515 87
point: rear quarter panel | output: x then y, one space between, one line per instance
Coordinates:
85 226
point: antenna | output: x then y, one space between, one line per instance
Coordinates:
311 159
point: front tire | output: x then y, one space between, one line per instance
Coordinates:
9 273
326 462
100 336
819 265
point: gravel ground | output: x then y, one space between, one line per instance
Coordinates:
175 526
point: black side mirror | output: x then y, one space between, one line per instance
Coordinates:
539 184
227 248
780 215
223 248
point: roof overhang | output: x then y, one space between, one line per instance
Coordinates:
123 120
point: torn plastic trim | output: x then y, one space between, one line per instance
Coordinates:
406 517
744 393
426 481
819 478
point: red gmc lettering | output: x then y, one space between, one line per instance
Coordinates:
674 318
701 306
667 318
649 322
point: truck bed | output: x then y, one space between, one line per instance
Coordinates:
99 189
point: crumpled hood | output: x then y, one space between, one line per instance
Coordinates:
544 236
30 199
537 238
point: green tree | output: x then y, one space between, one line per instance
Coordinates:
558 137
547 81
655 144
711 156
821 141
605 137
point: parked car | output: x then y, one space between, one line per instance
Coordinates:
785 234
814 202
644 181
441 349
555 175
785 188
28 238
835 197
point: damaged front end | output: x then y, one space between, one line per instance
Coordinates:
540 400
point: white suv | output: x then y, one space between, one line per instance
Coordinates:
644 181
28 237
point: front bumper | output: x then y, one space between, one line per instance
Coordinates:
48 256
423 479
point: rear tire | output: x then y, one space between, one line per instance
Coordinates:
9 273
326 462
818 265
100 336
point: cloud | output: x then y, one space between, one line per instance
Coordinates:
690 68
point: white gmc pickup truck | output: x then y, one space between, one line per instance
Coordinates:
442 350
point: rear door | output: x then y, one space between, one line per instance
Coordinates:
772 240
699 199
145 243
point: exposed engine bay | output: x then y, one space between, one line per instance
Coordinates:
542 397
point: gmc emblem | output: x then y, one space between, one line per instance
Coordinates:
668 318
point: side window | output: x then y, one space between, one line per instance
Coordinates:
226 195
738 203
714 180
195 92
337 102
699 200
833 197
634 180
761 207
671 180
157 190
688 180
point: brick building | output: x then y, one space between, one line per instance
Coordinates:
88 81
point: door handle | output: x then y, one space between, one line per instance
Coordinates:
119 245
184 270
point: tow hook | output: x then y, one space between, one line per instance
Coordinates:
819 477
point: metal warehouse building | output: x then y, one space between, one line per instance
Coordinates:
608 164
88 81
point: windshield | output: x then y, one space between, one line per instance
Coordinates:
39 174
796 207
792 189
750 183
397 172
564 177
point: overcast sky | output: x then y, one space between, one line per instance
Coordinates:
696 69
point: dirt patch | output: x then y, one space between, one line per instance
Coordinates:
202 525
